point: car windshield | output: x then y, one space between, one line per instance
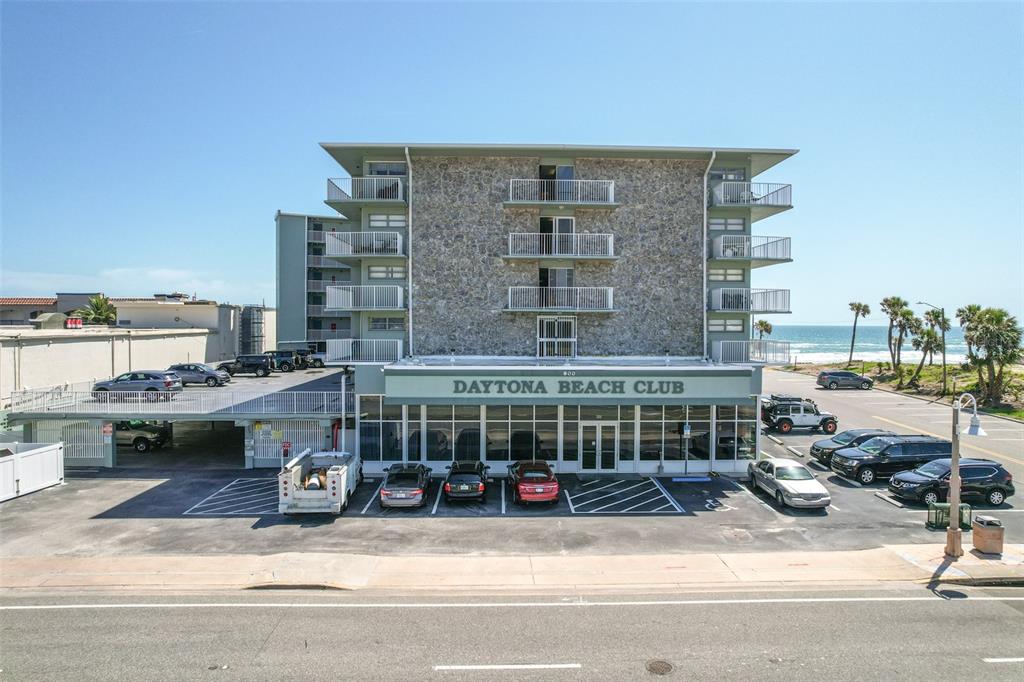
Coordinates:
844 437
874 446
792 474
933 470
209 368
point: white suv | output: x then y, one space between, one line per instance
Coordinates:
785 413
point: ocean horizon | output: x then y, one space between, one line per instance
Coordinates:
822 343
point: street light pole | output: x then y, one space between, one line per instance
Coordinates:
942 328
954 536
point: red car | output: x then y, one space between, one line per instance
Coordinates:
532 481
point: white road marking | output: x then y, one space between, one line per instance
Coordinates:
985 511
614 493
503 486
568 499
777 441
936 599
512 666
589 483
962 444
1004 660
756 498
668 496
890 500
376 495
209 496
440 489
794 451
832 506
587 492
612 504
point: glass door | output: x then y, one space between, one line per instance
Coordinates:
598 444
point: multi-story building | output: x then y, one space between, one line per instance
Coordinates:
591 306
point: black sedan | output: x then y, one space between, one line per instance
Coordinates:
822 450
466 480
406 485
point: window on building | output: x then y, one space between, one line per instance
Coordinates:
728 325
737 432
725 275
386 272
739 174
732 224
380 430
387 324
556 336
385 168
391 221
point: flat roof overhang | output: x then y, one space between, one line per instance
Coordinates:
350 155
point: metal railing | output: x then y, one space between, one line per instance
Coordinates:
750 300
560 298
370 188
180 403
577 244
327 334
314 309
316 236
562 191
753 247
364 244
364 351
365 297
734 193
755 350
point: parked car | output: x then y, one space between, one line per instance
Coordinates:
317 359
786 412
886 455
406 485
154 384
836 378
532 481
200 373
822 450
466 480
283 360
260 365
979 479
789 482
140 435
308 358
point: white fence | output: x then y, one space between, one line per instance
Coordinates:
753 247
364 244
561 298
363 351
365 297
328 334
30 467
734 193
373 188
756 351
546 244
192 403
301 433
750 300
562 191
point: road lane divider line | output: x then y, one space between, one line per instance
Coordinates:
890 500
376 495
437 500
509 666
1004 660
503 486
794 451
1005 458
568 499
777 441
668 496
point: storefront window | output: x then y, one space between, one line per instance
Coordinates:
698 446
497 441
369 441
626 448
391 441
380 430
650 439
737 432
570 438
674 432
467 440
599 412
547 440
439 441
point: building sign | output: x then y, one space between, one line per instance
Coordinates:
567 387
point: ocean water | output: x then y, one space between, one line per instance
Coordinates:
827 343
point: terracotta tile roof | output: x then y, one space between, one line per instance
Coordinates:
129 299
27 300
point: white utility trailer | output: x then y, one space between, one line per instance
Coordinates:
318 482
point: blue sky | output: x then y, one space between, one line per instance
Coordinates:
147 146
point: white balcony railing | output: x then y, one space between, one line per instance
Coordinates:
750 300
365 297
577 244
561 191
224 401
561 298
363 244
314 310
359 351
372 188
756 350
327 334
315 236
734 193
756 247
324 262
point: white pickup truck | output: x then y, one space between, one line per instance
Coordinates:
318 482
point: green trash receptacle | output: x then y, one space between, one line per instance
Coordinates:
938 516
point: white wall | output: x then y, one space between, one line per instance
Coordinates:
270 329
222 318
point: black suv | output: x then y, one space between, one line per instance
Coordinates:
979 479
466 480
259 365
888 455
283 360
822 450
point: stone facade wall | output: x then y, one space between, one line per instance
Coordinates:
460 282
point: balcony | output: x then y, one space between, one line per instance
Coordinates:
314 310
577 299
315 236
755 250
762 198
362 244
324 262
322 284
752 351
372 189
365 297
363 351
533 192
750 300
327 334
576 246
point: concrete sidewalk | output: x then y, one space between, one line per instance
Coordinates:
902 563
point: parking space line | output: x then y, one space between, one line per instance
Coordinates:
638 505
631 497
962 444
568 499
209 496
437 500
667 506
669 497
756 498
587 492
503 498
232 507
832 506
376 494
589 483
233 495
611 494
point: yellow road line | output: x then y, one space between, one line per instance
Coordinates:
1005 458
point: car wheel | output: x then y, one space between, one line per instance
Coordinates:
866 475
832 385
996 497
779 499
785 426
141 444
931 497
230 371
211 382
152 395
285 367
318 363
829 426
865 385
262 372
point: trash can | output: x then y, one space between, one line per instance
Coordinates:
987 534
938 516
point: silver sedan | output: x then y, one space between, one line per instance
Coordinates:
790 482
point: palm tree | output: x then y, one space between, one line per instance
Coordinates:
937 322
907 324
763 327
996 337
893 306
965 316
859 310
927 341
99 311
